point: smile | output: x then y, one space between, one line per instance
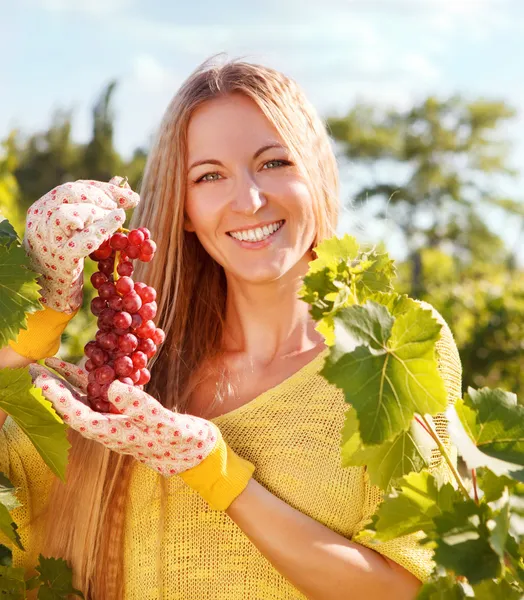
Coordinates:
258 234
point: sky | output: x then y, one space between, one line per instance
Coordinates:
61 53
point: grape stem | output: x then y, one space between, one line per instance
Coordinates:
115 272
446 456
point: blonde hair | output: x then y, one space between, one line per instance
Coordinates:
85 519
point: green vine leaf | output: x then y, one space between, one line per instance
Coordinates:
487 426
7 233
413 506
387 367
442 587
36 417
8 502
19 291
388 462
463 543
490 589
12 584
57 579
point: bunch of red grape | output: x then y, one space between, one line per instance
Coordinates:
127 337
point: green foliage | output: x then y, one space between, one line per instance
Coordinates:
487 426
18 286
379 358
54 580
36 417
383 356
386 463
8 502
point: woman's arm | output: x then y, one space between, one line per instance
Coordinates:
10 358
320 563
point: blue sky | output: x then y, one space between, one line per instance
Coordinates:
60 53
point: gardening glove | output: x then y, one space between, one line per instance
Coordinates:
62 229
165 441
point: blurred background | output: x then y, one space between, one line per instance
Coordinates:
424 100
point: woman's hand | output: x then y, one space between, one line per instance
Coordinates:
168 442
65 226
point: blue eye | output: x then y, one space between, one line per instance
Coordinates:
282 163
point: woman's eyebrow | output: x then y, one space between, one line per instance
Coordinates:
213 161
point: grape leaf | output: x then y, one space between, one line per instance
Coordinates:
8 527
342 276
462 540
57 579
387 367
386 463
8 502
499 430
490 589
7 233
413 508
487 427
442 587
333 250
36 417
12 584
19 292
493 485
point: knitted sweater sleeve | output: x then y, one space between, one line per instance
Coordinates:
406 550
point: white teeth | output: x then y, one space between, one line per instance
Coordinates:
258 234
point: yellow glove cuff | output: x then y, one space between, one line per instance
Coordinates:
42 337
220 477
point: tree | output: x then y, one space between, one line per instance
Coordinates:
100 160
433 162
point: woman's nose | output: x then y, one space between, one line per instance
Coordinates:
248 198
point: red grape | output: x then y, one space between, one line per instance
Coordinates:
124 285
97 305
146 330
128 343
148 294
104 374
145 257
106 290
145 376
133 251
115 302
139 359
127 336
148 311
97 279
136 237
118 241
122 320
125 269
147 346
131 302
106 266
158 336
124 366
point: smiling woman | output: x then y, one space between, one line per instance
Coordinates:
239 188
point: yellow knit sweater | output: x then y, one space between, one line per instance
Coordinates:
292 435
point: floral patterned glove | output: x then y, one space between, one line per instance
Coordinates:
168 442
65 226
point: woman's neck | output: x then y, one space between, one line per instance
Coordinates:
267 322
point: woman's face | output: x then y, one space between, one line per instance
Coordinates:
243 183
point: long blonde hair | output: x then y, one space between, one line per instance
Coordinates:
85 520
